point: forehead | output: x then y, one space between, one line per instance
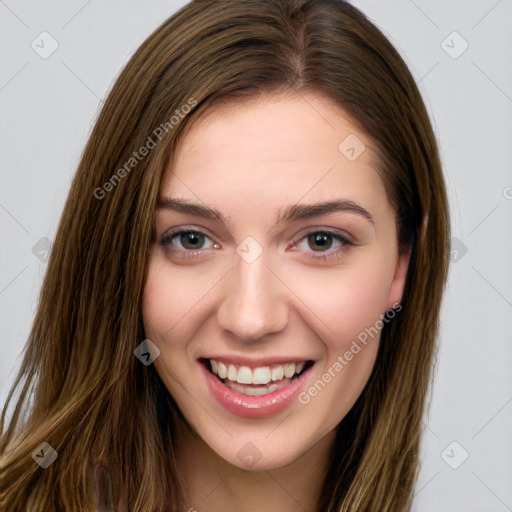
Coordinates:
275 151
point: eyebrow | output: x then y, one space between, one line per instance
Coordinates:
290 214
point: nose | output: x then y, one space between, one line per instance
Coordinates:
254 301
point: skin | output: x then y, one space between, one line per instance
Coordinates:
250 162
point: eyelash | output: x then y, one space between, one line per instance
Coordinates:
345 242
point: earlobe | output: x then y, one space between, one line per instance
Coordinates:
397 286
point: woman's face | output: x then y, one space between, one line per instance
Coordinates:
252 279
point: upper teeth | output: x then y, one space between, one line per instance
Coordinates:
261 375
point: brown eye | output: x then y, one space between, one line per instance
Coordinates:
321 246
320 241
191 240
186 240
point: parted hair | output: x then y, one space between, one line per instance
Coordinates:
79 387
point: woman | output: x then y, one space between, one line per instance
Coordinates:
241 306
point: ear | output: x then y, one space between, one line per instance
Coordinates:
396 288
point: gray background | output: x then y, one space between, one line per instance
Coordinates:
48 106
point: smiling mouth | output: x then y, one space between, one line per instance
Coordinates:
261 380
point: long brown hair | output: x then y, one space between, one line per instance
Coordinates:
82 390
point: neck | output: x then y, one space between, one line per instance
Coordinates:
215 485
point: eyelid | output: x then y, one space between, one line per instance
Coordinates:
342 236
334 232
307 231
180 229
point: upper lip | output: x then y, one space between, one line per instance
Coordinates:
256 362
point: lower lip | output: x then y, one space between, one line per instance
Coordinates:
250 406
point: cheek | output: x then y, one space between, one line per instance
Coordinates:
165 323
175 306
166 315
160 310
362 300
350 309
341 302
170 297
